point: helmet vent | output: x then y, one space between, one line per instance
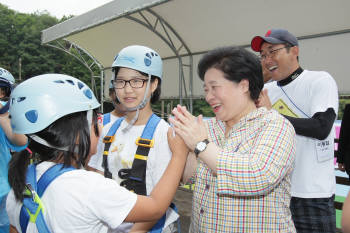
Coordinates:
32 116
88 93
59 81
70 81
80 85
20 99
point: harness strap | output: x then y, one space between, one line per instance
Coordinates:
106 118
32 208
136 180
108 140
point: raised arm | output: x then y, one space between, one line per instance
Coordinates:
16 139
153 207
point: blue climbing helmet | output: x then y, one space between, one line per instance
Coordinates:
145 60
140 58
6 78
39 101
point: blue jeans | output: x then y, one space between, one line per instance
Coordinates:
4 220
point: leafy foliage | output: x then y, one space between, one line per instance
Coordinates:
344 100
20 42
200 106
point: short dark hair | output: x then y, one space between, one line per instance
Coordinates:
237 64
156 94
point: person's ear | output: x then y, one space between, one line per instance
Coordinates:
154 85
244 84
295 50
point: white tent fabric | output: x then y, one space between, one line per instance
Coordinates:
191 27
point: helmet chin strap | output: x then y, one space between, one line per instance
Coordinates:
46 143
138 107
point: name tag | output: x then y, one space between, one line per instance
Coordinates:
325 149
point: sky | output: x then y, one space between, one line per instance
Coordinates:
57 8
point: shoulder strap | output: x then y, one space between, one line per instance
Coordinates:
49 176
150 127
106 118
32 208
136 176
107 140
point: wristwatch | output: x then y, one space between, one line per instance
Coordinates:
201 146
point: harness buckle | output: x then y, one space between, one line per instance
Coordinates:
124 173
108 139
30 192
36 206
144 142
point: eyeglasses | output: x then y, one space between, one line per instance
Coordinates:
134 83
271 53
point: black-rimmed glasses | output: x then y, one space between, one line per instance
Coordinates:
134 83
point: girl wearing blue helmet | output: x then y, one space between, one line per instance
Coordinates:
6 84
137 83
57 112
8 141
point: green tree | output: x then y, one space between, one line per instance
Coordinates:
21 39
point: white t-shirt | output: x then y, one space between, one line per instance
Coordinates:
122 152
94 159
78 201
311 92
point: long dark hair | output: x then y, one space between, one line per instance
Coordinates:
71 130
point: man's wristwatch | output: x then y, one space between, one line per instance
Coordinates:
201 146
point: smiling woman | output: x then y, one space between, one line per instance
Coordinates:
242 157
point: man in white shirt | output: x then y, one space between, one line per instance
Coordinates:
309 100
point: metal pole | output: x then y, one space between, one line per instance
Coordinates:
102 88
20 68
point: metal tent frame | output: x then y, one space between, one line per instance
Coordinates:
182 30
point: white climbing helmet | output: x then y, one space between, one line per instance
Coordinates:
6 78
140 58
39 101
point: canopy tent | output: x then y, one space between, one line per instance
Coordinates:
182 30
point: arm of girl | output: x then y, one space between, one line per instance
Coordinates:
16 139
154 206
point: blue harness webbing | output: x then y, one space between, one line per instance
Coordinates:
135 178
158 227
106 118
107 140
32 207
138 171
